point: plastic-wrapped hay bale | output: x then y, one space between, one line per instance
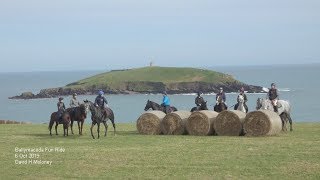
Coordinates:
262 123
149 122
229 123
200 123
175 123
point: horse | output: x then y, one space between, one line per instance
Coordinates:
203 106
284 110
65 121
155 106
240 105
78 114
220 106
99 115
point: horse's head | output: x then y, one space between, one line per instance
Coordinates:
219 99
241 98
259 104
204 105
263 104
148 105
89 106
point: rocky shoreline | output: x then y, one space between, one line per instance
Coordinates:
148 88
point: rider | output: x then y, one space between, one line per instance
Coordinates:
61 108
166 102
244 97
101 100
273 96
74 101
222 94
199 100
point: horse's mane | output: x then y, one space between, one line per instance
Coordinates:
152 102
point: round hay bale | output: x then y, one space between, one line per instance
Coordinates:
149 122
229 123
200 123
175 123
261 123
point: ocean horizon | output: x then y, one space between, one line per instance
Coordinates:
296 83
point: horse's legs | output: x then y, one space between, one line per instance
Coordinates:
81 127
98 129
92 125
71 125
50 126
114 128
56 128
105 128
283 118
290 121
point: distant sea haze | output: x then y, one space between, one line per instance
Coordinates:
297 84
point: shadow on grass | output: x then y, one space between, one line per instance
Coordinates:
76 136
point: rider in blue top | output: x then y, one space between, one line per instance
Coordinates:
166 102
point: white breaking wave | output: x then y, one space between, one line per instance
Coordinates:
279 89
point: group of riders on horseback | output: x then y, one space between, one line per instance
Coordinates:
78 112
201 104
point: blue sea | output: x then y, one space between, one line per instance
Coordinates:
299 84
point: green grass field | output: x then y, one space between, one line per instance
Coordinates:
128 155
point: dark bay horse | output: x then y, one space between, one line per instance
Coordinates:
78 114
65 121
220 106
155 106
202 107
98 116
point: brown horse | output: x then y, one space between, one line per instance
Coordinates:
65 121
78 114
220 106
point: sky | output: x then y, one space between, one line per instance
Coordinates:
45 35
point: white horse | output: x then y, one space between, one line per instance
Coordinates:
241 104
284 109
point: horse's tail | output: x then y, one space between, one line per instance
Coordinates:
51 120
111 116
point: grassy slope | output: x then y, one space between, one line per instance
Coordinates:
293 155
155 74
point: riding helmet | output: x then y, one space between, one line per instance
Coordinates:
101 92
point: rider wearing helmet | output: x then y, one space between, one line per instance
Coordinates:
61 108
222 94
199 100
74 101
273 96
166 102
101 100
